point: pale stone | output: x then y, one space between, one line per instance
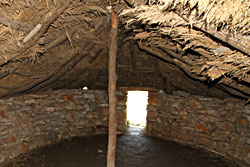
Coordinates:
31 101
212 112
248 118
50 109
89 96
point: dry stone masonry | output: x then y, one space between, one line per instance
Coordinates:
35 120
221 126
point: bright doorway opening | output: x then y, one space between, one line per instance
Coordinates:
137 108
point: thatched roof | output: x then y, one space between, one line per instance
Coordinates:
200 46
209 40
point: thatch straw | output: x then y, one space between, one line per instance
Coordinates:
224 14
34 12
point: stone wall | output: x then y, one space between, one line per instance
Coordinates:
221 126
35 120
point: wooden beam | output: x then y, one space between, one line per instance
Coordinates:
112 91
16 25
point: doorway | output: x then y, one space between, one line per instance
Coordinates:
137 108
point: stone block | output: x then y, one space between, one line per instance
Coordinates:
222 147
212 112
206 142
154 102
226 126
152 115
25 118
121 98
241 120
248 118
194 104
3 108
154 95
89 96
220 135
232 153
10 139
183 113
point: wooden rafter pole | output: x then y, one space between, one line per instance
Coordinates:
112 91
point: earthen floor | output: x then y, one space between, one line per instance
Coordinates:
134 150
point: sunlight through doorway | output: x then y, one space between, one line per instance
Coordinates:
137 107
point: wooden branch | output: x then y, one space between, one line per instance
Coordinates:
156 53
232 91
175 55
52 16
238 44
176 62
58 41
112 91
20 26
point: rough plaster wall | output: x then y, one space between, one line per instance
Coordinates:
35 120
221 126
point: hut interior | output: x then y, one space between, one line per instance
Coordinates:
192 56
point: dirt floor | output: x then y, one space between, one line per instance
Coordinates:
134 150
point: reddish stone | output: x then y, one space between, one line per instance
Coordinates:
244 122
194 103
153 95
68 98
121 98
2 113
59 105
69 124
234 107
155 102
32 106
201 127
11 139
227 126
241 121
25 147
105 111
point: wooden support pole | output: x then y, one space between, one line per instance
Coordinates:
112 91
